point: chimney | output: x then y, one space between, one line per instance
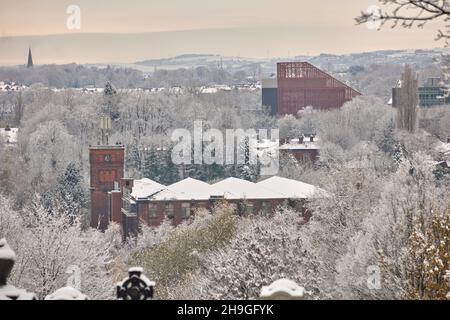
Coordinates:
311 138
300 139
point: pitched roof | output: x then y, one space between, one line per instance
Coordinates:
292 189
145 188
235 188
168 194
294 144
9 135
195 189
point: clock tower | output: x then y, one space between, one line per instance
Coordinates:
106 170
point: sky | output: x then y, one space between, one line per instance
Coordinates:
131 30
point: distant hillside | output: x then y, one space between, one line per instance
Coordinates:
328 62
184 58
188 61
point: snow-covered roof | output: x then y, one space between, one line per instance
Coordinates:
195 189
6 252
66 293
145 188
168 194
235 188
209 90
443 148
9 135
283 289
231 188
267 144
294 144
291 189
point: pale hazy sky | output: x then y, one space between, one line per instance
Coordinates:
274 27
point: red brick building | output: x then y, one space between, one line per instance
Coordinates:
303 149
106 171
129 202
151 203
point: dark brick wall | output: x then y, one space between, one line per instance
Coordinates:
106 167
303 155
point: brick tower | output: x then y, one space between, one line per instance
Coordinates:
106 170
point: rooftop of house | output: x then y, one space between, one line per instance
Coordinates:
235 188
301 144
168 194
292 189
145 188
231 188
9 135
196 189
444 149
107 147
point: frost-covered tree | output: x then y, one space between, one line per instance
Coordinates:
264 249
289 127
173 261
429 258
410 13
51 251
407 101
398 237
70 191
152 165
247 168
353 193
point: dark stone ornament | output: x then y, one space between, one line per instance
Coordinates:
136 286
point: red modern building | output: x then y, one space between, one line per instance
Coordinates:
300 84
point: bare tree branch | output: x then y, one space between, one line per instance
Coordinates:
410 13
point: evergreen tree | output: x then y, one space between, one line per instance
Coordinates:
70 191
109 90
407 97
385 140
134 158
170 172
111 101
151 169
247 170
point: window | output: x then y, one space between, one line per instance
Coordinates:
186 210
169 210
265 208
305 157
129 206
152 210
249 208
107 175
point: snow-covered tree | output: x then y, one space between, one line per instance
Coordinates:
173 261
51 250
408 104
70 191
399 237
264 249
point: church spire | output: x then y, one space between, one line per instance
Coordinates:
30 59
